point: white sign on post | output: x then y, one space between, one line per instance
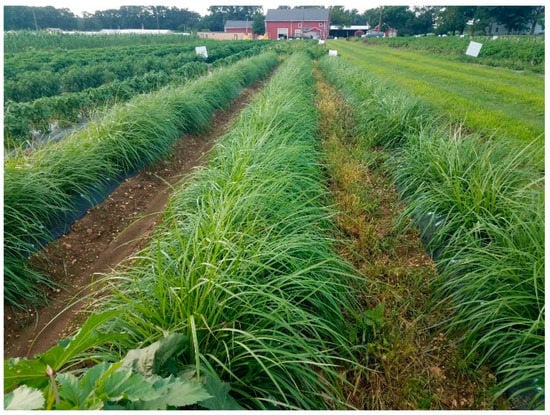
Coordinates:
321 42
332 52
473 49
201 51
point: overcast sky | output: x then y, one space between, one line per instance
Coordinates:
201 7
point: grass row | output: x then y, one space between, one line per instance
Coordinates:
410 363
483 99
243 265
480 206
42 190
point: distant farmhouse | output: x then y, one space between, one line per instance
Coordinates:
241 27
232 30
496 29
312 23
360 31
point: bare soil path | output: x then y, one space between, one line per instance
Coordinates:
106 235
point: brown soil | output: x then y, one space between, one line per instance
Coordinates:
110 232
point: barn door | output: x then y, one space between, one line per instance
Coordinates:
282 33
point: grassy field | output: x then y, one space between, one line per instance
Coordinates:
479 205
512 52
485 99
243 269
42 188
285 273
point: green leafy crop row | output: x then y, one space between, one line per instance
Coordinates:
243 264
23 120
143 379
31 75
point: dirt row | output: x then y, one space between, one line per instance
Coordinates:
109 233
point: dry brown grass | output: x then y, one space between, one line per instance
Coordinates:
410 362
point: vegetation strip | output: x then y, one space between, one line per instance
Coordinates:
60 93
513 52
52 186
411 363
481 100
243 268
480 206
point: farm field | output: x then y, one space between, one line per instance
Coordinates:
479 205
512 52
70 176
342 246
109 232
46 91
485 99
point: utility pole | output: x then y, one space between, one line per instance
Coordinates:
34 18
302 28
157 15
380 19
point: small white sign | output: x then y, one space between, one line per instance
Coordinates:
332 52
201 51
473 49
321 42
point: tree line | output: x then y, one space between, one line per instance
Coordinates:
129 17
442 19
406 20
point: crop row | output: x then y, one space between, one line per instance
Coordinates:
243 268
24 120
28 76
479 204
49 188
25 41
513 52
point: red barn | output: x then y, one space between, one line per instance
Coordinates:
309 22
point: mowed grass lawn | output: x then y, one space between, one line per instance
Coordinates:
485 99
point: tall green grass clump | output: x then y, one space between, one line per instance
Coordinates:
479 204
483 208
243 264
43 189
385 114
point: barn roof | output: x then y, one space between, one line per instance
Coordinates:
238 24
296 15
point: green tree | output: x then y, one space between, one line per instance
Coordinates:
453 19
423 20
356 18
34 18
218 15
515 18
258 24
372 16
537 16
339 16
397 17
